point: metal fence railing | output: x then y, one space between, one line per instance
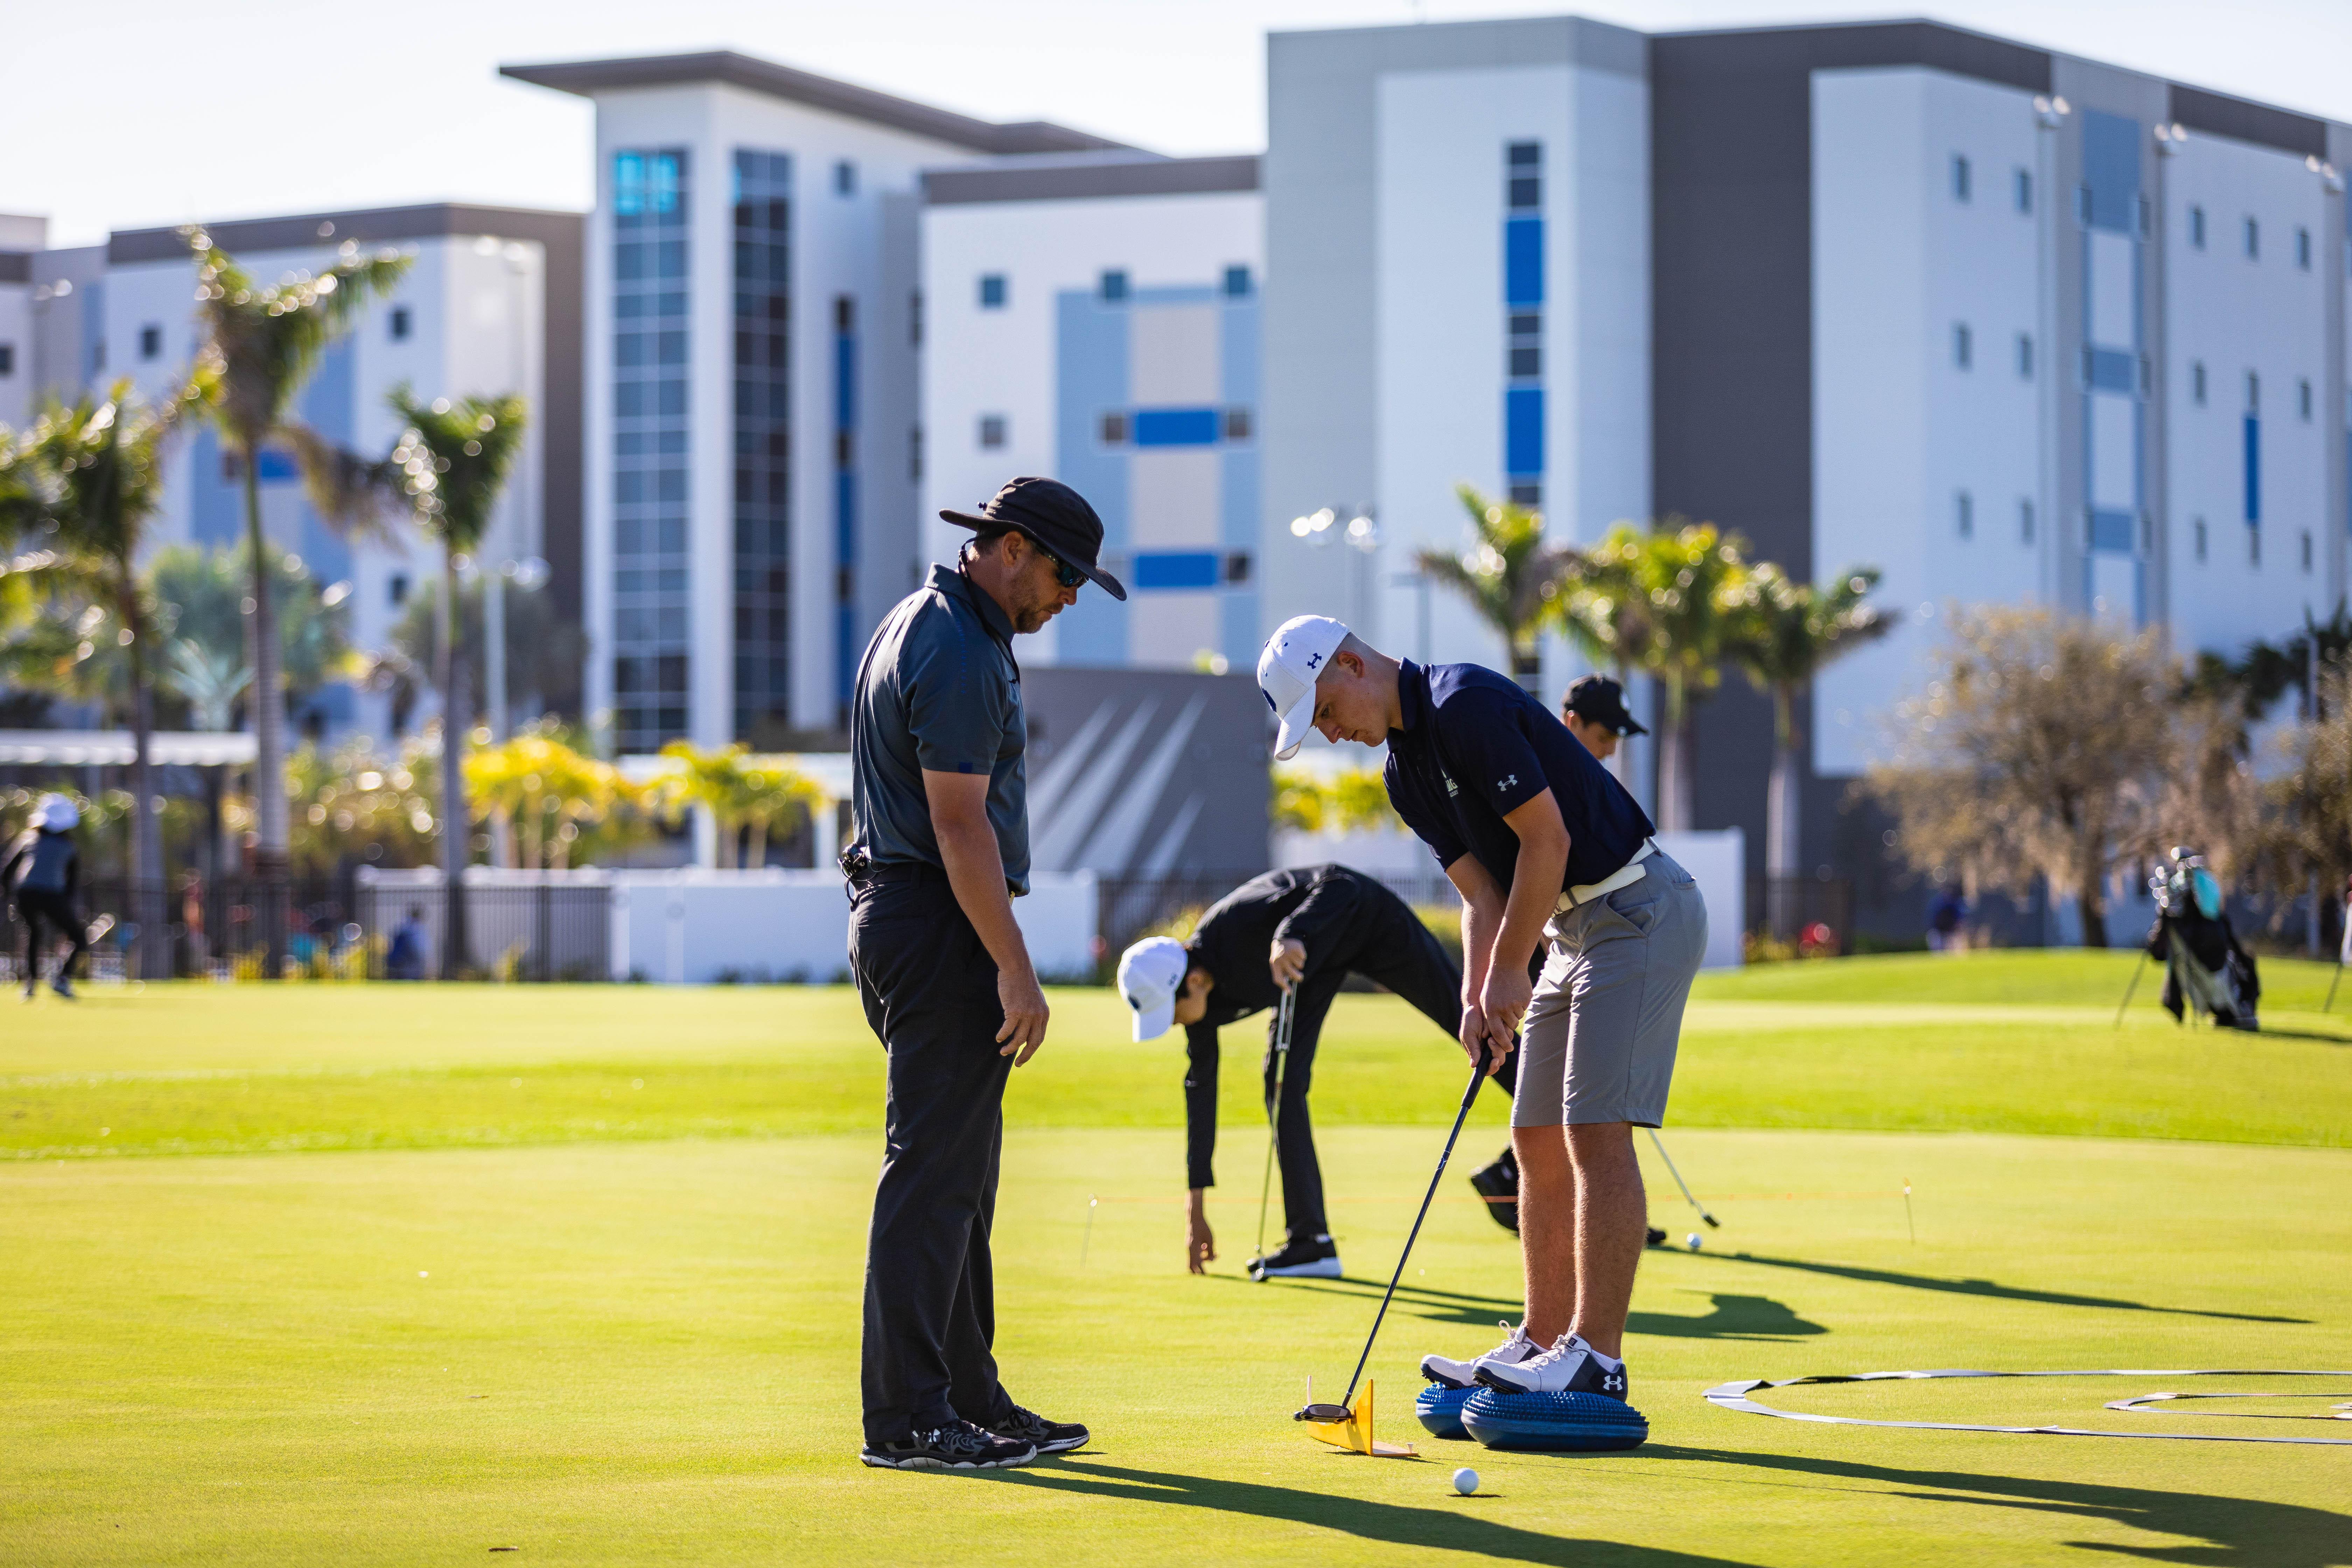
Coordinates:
1783 908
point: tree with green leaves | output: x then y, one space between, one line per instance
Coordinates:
1503 574
451 465
260 345
200 596
103 463
1785 632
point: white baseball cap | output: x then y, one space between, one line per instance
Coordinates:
1293 657
57 812
1150 974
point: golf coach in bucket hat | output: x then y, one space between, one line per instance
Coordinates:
940 847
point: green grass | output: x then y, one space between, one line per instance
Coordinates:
404 1274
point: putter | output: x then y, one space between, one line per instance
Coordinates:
1352 1423
1712 1223
1273 1103
2332 985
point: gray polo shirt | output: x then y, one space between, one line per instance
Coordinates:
939 689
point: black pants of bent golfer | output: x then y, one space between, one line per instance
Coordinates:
1399 954
930 991
36 907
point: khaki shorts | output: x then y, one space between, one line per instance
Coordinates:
1598 1044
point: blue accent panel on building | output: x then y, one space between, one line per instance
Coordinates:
275 465
1172 294
2111 152
1523 431
2114 372
215 511
1523 261
2115 531
1090 355
1168 569
2254 470
1177 426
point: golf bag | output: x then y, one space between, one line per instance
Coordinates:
2204 967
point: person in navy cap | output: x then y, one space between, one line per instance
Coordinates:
939 849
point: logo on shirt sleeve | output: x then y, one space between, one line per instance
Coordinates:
1503 786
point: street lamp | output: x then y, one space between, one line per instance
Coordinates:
1355 527
530 574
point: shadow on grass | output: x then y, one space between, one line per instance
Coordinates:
1732 1317
2230 1532
1983 1288
1430 1529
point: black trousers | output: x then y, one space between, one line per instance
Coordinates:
930 990
1399 952
37 905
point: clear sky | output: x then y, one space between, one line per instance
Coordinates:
131 114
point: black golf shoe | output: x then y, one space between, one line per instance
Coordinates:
1499 1183
1047 1436
957 1445
1656 1237
1314 1258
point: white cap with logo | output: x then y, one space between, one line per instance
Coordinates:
57 812
1288 667
1150 974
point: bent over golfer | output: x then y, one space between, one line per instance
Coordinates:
1542 844
939 849
1305 928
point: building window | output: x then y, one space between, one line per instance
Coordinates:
1527 493
1237 423
2306 552
2025 356
1237 568
396 590
2197 383
915 319
2253 240
762 518
2303 248
2147 213
844 178
2025 523
1112 287
1237 282
992 290
1960 178
2083 205
650 563
2303 399
1523 175
397 327
991 431
150 341
7 359
914 452
1114 429
2253 547
2022 190
2253 393
2197 228
1963 345
1964 514
2199 531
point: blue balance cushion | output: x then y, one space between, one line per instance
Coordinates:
1553 1423
1440 1409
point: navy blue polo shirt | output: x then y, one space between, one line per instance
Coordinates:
939 689
1476 747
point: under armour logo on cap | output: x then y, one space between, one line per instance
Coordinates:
1287 668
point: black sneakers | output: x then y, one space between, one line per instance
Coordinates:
1499 1183
957 1445
1048 1437
1311 1257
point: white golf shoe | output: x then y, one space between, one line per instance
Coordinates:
1571 1366
1515 1348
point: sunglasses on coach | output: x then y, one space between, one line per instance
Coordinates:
1068 575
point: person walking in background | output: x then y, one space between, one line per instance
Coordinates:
1307 927
1542 844
939 849
409 955
1594 713
44 871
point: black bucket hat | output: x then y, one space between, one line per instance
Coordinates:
1055 517
1596 699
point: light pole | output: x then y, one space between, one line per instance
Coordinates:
1322 528
528 574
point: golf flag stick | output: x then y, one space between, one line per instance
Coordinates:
2125 1006
1712 1223
1477 1077
1273 1101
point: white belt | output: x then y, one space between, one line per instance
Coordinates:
1625 876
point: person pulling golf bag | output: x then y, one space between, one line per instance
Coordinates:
1305 928
2204 966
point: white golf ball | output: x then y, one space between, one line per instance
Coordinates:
1466 1480
1693 1241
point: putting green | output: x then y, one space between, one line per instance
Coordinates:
481 1319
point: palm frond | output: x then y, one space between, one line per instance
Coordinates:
453 460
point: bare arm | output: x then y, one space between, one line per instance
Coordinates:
1482 917
958 806
1534 894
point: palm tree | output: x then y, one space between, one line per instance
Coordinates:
104 460
1670 593
451 464
1786 632
1504 576
262 344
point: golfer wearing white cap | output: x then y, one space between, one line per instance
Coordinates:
1543 845
43 871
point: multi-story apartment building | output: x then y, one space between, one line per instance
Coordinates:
490 305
